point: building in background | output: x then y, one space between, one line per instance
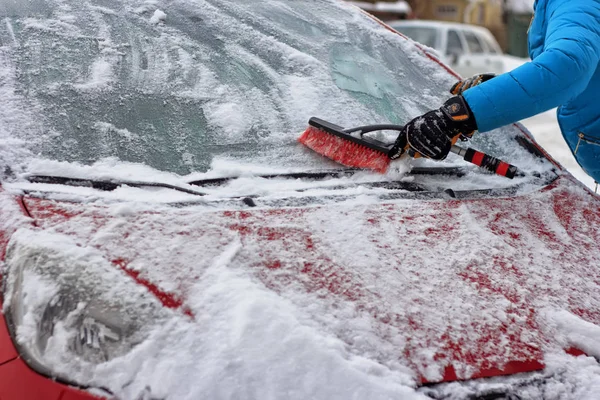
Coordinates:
487 13
517 17
508 20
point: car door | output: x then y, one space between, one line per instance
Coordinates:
495 59
455 50
478 60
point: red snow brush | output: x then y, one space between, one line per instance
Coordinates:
350 148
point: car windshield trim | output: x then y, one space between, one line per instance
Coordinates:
334 173
105 185
109 185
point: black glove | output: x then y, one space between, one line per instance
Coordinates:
460 86
433 134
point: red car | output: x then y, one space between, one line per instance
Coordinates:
164 236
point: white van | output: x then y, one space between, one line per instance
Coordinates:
468 49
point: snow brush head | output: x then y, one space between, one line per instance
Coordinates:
344 149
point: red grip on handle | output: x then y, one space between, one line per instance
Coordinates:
490 163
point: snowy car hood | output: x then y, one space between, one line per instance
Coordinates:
372 297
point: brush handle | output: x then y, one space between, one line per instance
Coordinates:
473 156
487 162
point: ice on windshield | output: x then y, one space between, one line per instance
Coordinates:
179 85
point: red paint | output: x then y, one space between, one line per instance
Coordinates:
42 209
23 207
321 273
512 367
4 238
168 300
7 350
5 235
19 382
276 264
574 351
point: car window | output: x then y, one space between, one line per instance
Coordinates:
192 85
473 42
492 48
234 80
454 43
423 35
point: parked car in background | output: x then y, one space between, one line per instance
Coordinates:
163 235
468 49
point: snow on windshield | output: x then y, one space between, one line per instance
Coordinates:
179 85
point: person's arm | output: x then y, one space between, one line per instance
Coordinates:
563 70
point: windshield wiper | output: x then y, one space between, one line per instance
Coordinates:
343 173
105 185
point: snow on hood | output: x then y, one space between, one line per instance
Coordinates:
244 341
331 301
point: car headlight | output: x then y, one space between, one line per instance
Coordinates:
69 309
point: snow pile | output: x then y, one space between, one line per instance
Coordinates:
580 333
158 16
547 133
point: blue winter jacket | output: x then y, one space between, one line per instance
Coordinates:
564 46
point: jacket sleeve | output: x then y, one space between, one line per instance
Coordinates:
559 74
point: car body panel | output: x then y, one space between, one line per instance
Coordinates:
480 314
7 350
18 381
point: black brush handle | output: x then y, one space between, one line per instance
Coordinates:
487 162
372 128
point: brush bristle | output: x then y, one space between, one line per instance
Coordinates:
344 151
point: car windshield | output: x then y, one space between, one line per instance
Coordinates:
423 35
194 82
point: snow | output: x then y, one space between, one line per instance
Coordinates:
509 62
235 317
579 333
322 339
10 31
546 131
158 16
100 76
